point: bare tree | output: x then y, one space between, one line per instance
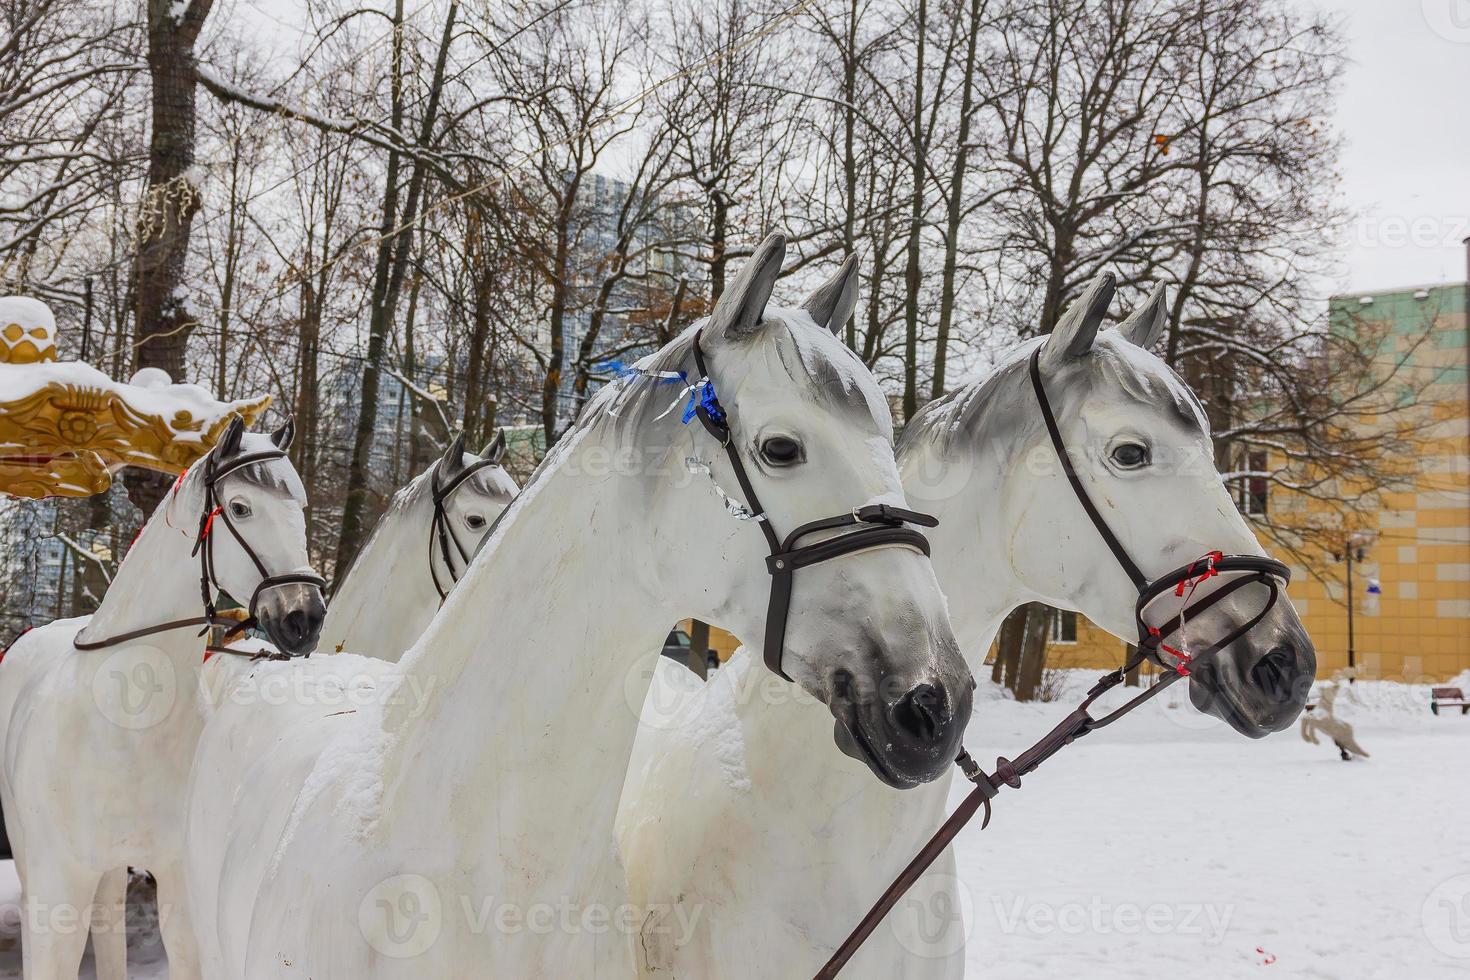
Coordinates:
166 212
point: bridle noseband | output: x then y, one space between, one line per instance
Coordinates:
441 530
214 509
1237 571
877 525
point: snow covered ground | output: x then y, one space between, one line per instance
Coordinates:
1169 846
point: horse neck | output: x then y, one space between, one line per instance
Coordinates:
158 580
523 692
971 548
388 597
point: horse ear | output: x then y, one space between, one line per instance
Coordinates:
1077 329
453 460
282 437
229 443
739 310
1145 325
494 451
833 302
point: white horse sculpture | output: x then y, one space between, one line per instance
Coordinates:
418 551
783 852
380 608
466 829
100 715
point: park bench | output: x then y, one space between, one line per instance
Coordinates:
1448 697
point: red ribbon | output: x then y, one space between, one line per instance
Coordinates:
209 522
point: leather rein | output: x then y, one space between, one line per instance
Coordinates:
214 472
1181 582
877 525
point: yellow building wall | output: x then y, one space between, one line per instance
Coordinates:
721 642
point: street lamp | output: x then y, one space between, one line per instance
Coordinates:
1354 549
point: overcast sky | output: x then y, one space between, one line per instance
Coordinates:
1404 111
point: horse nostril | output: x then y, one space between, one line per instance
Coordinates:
297 625
1274 672
923 713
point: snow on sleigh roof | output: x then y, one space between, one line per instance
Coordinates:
65 427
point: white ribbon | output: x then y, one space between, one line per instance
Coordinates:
735 508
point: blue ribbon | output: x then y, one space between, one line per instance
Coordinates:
703 396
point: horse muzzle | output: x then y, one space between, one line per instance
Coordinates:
906 736
1259 684
291 615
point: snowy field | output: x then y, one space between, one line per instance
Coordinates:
1169 846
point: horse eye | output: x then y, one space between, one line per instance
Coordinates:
1130 455
239 509
475 522
781 451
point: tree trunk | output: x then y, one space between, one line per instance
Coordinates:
395 245
1008 648
166 214
916 218
556 355
699 647
719 228
1032 650
849 154
476 373
954 214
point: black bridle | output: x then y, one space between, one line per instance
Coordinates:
1240 570
214 472
442 530
877 525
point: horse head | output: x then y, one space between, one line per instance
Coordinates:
792 419
261 501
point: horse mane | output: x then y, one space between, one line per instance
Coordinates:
960 413
835 381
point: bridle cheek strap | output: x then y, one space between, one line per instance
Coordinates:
442 532
877 525
204 543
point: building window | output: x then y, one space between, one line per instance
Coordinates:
1257 488
1063 626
